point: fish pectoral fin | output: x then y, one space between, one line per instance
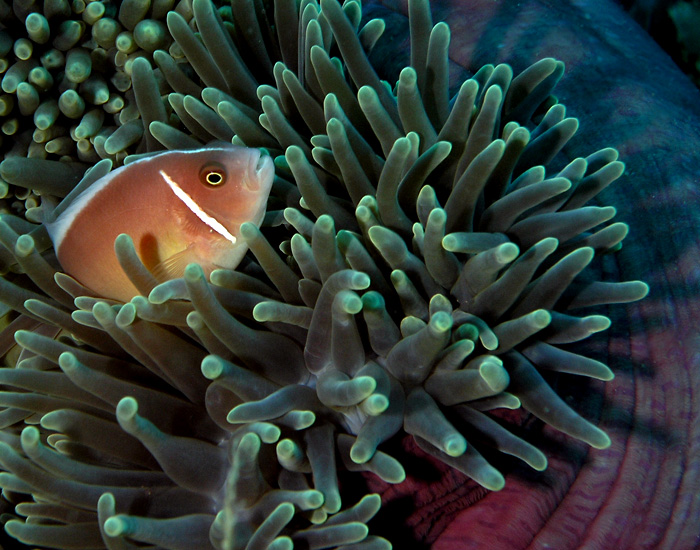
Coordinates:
174 266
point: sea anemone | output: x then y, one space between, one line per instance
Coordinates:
419 270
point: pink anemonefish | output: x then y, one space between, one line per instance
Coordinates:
178 207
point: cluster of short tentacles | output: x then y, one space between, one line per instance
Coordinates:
418 269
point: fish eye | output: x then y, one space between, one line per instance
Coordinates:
213 175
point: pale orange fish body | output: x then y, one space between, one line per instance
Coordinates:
178 207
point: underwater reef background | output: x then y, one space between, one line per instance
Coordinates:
672 24
641 492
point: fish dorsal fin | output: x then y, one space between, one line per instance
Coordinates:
58 218
174 266
92 175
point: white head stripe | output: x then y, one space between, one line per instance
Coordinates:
195 208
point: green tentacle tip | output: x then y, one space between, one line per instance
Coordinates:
350 302
312 499
127 409
363 213
103 312
641 290
538 461
494 374
30 437
437 216
15 528
233 415
249 231
67 361
126 315
268 433
361 452
84 318
300 420
454 445
24 246
293 215
360 281
539 318
293 154
195 320
506 253
408 76
382 237
441 322
284 512
365 385
249 446
264 311
117 526
193 273
123 240
22 337
375 404
106 501
597 323
335 128
160 294
37 28
467 331
351 532
370 504
372 301
452 242
281 543
391 470
491 478
212 367
325 223
598 439
287 449
34 306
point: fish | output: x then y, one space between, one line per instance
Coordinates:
179 207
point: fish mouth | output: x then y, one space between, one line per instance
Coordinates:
261 171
